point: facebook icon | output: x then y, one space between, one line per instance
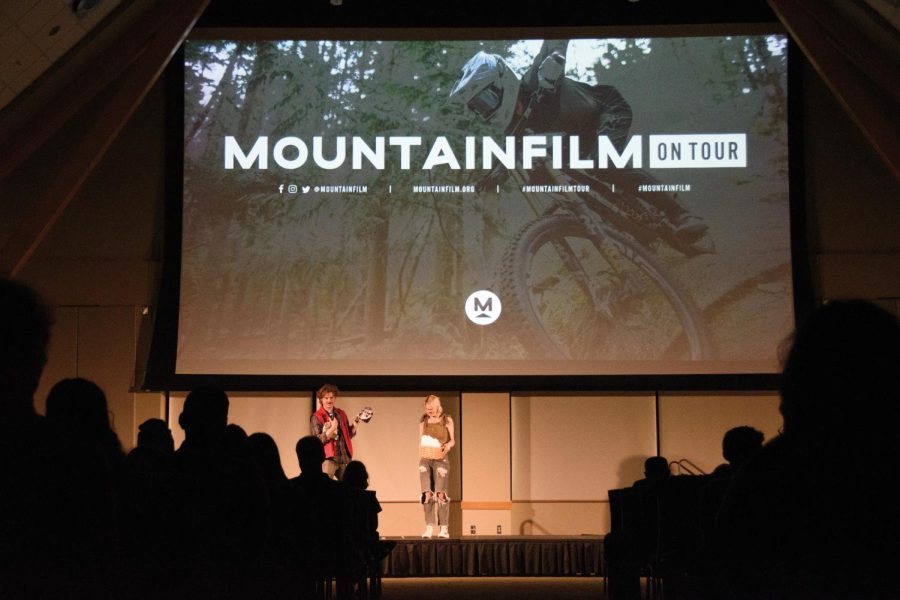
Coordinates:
483 307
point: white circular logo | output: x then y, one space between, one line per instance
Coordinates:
483 307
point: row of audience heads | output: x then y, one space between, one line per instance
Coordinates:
80 405
739 444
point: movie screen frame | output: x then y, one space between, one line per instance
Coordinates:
165 372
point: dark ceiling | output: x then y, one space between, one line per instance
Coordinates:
474 14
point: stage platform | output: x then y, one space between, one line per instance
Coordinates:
496 556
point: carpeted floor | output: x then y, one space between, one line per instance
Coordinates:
494 588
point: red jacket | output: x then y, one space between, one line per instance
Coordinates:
331 446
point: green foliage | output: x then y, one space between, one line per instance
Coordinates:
381 88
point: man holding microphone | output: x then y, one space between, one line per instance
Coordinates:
331 425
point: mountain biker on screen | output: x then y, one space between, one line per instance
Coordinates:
546 101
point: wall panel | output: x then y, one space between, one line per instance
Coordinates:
560 518
577 447
486 476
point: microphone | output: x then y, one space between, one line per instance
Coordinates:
337 432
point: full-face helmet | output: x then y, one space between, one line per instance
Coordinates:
489 87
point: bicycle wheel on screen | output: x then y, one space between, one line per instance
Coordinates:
570 294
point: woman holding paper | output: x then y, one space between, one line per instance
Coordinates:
435 441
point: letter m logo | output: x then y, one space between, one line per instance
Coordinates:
488 304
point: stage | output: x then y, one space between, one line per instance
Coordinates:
496 556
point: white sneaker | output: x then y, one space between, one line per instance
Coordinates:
428 531
443 533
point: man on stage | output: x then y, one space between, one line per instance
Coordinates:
331 425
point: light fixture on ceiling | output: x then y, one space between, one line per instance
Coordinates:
82 7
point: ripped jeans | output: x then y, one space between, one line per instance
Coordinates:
433 474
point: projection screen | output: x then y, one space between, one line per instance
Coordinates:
571 204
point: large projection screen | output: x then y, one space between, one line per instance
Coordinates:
623 210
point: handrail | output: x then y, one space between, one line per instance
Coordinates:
690 467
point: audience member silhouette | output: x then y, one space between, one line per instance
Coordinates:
57 503
221 505
154 436
235 442
656 470
263 452
148 464
78 409
24 335
739 444
812 515
319 507
628 548
147 506
356 476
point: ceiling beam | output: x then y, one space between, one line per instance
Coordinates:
112 89
862 75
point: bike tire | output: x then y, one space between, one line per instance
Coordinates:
565 296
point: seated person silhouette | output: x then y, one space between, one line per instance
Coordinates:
656 470
143 494
154 436
627 552
57 500
78 409
317 508
263 452
739 444
357 479
221 507
810 515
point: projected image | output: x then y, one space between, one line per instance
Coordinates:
559 206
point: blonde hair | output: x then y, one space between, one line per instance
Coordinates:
432 399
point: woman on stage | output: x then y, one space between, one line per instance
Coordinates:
435 441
